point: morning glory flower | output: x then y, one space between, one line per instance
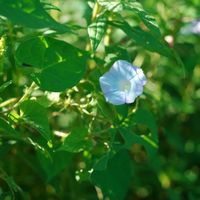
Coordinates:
191 28
122 83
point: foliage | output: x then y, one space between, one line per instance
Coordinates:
60 139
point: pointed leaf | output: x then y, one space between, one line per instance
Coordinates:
29 13
60 65
96 31
114 180
36 115
5 85
124 5
131 138
144 39
76 141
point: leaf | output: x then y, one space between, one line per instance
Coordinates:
76 141
114 5
11 133
102 163
144 39
36 115
96 31
5 85
54 164
145 117
122 111
58 66
114 181
30 14
105 108
13 187
124 5
6 128
131 138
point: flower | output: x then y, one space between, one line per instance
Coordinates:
122 83
192 27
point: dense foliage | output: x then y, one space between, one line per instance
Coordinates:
60 139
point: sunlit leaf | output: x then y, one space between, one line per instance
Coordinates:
144 39
60 65
134 6
29 13
96 31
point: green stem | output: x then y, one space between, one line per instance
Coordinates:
23 98
95 11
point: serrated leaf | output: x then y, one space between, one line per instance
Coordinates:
96 31
36 115
58 66
114 180
30 14
76 141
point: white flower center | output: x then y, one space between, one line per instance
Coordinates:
124 85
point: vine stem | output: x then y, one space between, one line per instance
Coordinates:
94 16
107 38
26 94
95 11
23 98
7 102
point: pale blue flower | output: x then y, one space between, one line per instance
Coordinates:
192 27
122 83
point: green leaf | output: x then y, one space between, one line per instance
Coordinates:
102 163
114 181
105 108
145 117
30 14
5 85
115 5
54 164
145 39
96 31
76 141
131 138
125 5
36 115
149 141
58 66
6 128
122 111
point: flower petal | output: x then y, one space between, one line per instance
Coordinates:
108 82
116 98
124 69
141 75
135 90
